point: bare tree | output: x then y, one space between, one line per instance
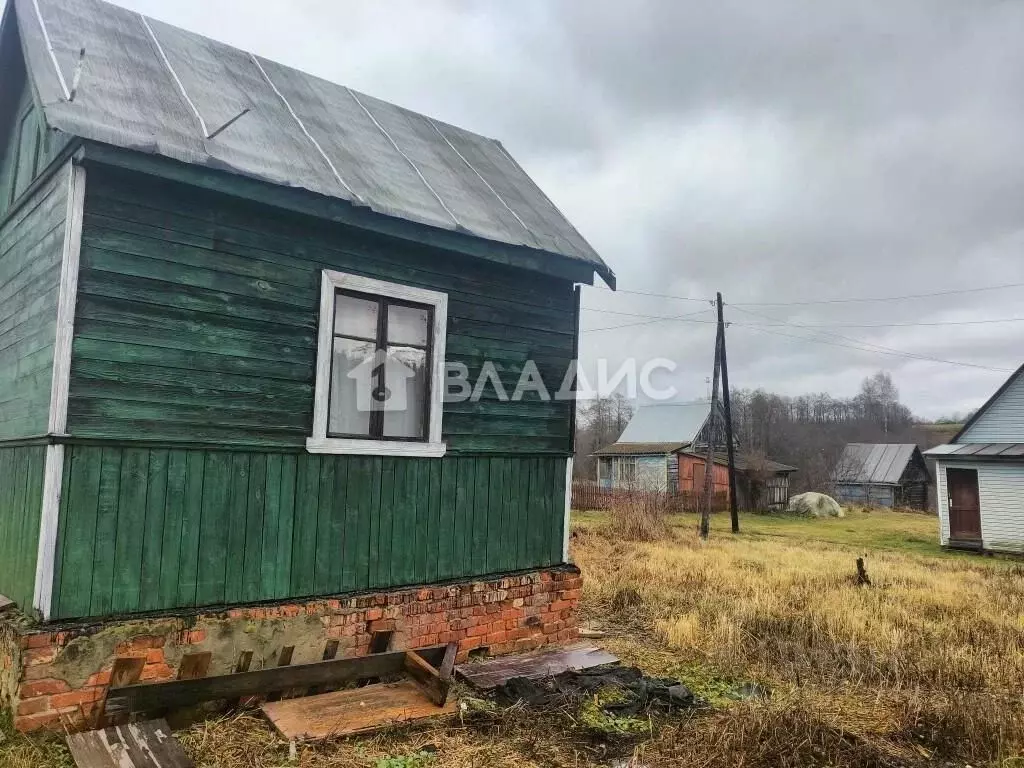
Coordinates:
599 423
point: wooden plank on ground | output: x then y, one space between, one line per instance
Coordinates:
491 673
360 710
185 693
148 744
5 603
434 681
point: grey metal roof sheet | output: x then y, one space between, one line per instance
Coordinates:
978 450
875 463
111 75
666 423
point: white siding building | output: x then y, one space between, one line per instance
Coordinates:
980 476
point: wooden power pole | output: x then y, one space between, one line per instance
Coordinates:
712 424
734 513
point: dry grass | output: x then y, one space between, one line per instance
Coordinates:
924 667
640 516
926 663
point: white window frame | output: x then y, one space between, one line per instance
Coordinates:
319 442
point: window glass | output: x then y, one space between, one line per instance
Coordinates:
405 375
408 325
354 316
351 387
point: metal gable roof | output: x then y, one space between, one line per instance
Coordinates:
874 463
111 75
666 423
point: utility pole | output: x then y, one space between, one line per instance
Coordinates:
705 513
733 501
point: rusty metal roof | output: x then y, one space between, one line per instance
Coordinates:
112 75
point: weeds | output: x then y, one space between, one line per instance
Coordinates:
639 515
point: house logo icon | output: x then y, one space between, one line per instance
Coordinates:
388 392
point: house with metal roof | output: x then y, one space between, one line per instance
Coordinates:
644 456
230 291
882 474
980 475
664 448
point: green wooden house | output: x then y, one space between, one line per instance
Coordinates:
217 276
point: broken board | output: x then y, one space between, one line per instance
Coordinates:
148 744
489 674
358 710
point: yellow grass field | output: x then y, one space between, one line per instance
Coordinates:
924 666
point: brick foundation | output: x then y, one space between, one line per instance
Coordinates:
56 676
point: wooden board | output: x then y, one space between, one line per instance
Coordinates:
343 713
489 674
149 744
176 694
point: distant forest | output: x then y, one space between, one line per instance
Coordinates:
806 431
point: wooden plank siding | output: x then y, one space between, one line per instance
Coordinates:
21 490
31 246
145 529
197 316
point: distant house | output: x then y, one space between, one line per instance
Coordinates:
663 448
980 475
882 474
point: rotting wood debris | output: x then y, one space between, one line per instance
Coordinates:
619 691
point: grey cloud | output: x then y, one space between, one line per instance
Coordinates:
776 150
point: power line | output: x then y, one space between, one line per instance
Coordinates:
632 314
656 295
846 300
877 298
680 318
987 321
861 345
907 355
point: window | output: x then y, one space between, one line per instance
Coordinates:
379 371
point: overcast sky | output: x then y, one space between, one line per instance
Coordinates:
777 151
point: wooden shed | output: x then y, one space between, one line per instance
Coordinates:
882 474
230 293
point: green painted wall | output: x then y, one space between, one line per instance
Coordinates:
24 143
197 313
21 492
31 245
145 529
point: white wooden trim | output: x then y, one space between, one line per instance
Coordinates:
48 522
375 447
305 131
177 80
49 50
319 442
68 293
568 510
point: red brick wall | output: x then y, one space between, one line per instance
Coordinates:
61 673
